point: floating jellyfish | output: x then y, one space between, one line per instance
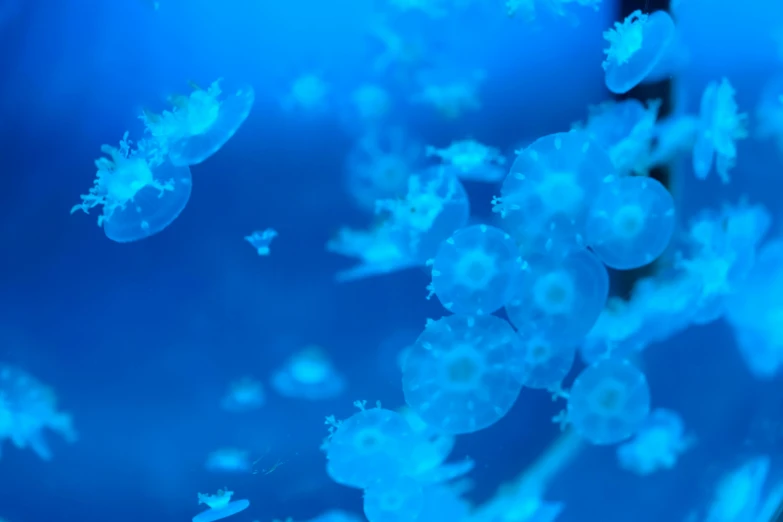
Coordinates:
220 506
475 270
738 494
396 500
546 363
461 376
637 46
657 445
430 8
527 9
309 375
630 222
450 92
244 395
769 112
27 408
608 402
372 103
337 515
721 126
546 196
381 250
435 205
140 192
200 124
674 136
560 296
231 460
442 503
261 240
369 446
308 93
471 160
433 447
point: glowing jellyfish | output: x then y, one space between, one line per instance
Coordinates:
220 506
199 124
657 445
244 395
140 192
475 270
397 500
631 222
637 45
337 515
372 445
608 402
546 196
471 160
560 296
380 250
546 363
230 460
433 447
309 375
308 93
261 240
721 126
462 373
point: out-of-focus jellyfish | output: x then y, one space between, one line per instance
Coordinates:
220 506
547 194
769 111
261 240
433 447
399 50
738 493
244 395
546 362
450 94
442 502
229 460
673 137
308 93
462 375
396 500
430 8
380 250
27 408
528 9
721 126
372 103
472 160
308 374
200 124
637 45
337 515
141 193
559 296
657 445
608 402
631 222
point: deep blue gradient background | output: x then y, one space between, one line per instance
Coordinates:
140 340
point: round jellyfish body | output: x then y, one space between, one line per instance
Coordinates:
474 270
370 446
608 402
308 375
545 198
636 47
397 500
225 511
560 296
631 222
625 130
209 122
546 363
461 375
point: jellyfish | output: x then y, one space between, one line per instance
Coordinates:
475 270
220 506
381 249
608 402
631 222
310 375
546 362
231 460
261 240
432 448
308 92
396 500
141 193
769 111
637 46
738 494
471 160
657 445
244 395
461 375
451 93
199 124
560 296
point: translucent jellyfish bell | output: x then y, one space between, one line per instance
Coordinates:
220 506
141 194
462 373
636 46
397 500
230 460
657 445
244 395
309 375
546 363
631 222
608 402
475 270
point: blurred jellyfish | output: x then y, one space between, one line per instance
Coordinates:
308 93
231 460
372 103
450 93
472 160
261 240
244 395
738 493
309 375
220 506
379 250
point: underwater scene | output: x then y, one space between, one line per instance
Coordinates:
391 261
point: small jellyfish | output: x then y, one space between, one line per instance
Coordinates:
200 124
308 93
310 375
608 402
475 270
471 160
546 363
631 222
452 93
546 196
560 296
396 500
220 506
230 460
371 445
372 103
261 240
657 445
461 375
636 47
381 250
721 126
140 192
244 395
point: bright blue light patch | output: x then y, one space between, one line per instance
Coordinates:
308 375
